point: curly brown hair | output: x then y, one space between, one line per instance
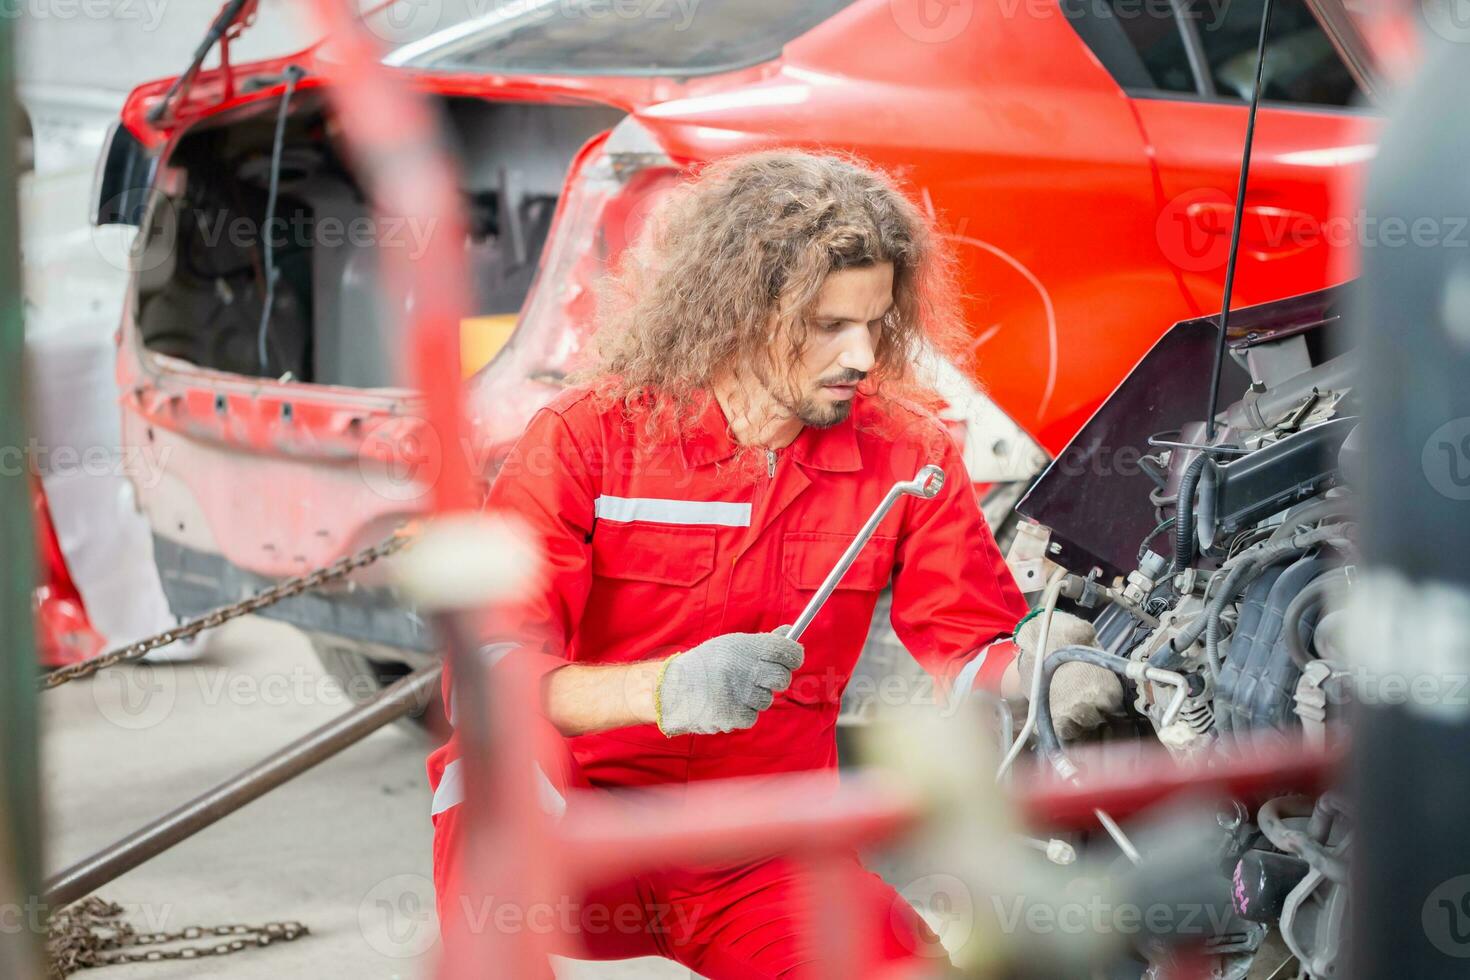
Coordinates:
754 235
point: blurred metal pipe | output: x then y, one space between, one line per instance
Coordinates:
390 704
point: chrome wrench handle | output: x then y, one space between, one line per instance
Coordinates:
926 484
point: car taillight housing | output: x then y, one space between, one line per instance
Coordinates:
64 634
612 187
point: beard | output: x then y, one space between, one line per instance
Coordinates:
816 411
821 415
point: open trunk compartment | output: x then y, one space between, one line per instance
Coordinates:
202 275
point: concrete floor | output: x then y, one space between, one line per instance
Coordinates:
344 848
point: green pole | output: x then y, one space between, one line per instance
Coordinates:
21 923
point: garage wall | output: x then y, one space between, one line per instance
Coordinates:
113 45
77 59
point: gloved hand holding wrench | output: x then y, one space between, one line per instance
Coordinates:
725 682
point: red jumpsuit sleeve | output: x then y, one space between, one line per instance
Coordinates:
953 594
546 483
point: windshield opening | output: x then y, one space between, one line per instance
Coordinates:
603 37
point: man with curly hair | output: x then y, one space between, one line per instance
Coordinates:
756 392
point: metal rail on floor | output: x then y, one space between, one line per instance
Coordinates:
391 703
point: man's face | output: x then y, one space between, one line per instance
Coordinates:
842 337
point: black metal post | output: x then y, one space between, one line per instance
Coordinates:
1411 743
20 790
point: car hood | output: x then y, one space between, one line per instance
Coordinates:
1095 497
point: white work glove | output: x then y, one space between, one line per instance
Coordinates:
1082 695
724 683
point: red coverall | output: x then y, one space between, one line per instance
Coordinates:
652 546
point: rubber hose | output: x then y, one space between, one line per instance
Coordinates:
1311 512
1212 644
1048 606
1257 556
1184 514
1046 733
1316 591
1167 658
1273 826
1234 579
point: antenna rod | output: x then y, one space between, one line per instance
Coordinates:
1245 168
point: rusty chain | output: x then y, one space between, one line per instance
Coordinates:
284 589
88 934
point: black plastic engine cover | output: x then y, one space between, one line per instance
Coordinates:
1302 465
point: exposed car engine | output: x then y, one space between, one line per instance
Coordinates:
1223 617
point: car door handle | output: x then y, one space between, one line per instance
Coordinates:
1265 230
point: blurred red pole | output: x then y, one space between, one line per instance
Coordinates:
395 148
832 912
396 151
1152 775
606 836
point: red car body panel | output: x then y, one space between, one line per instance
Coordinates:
1295 226
1086 220
64 631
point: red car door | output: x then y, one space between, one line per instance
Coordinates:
1189 69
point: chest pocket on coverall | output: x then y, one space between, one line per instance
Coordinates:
807 558
649 583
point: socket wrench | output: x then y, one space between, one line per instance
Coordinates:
926 484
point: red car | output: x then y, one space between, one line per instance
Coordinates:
1080 156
